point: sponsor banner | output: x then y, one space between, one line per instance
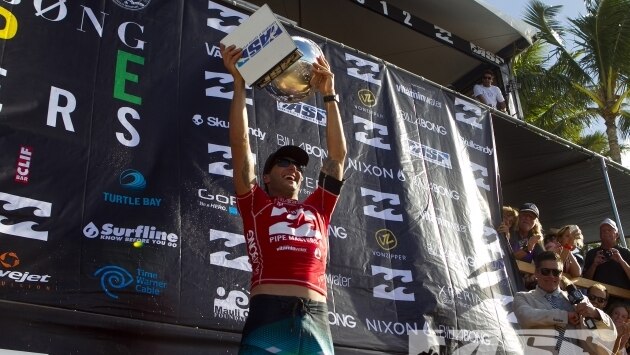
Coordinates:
116 192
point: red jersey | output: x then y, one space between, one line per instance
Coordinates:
287 240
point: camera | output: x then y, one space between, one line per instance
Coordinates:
608 254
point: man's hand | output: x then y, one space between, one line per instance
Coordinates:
586 310
503 228
616 256
573 318
533 240
230 56
323 80
599 258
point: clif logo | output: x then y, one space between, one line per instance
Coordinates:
22 169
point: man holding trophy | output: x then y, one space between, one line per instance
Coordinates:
287 240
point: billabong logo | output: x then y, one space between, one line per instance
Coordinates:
305 230
480 180
386 239
132 180
221 168
376 129
363 69
385 213
389 275
232 242
9 260
367 97
38 209
220 88
133 5
113 277
223 18
468 113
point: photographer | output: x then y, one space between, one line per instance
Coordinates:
609 262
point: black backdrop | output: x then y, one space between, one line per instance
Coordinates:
113 128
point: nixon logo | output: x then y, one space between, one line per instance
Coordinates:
220 168
223 18
377 129
23 206
367 97
394 293
232 241
443 34
386 239
220 88
377 196
468 113
483 171
363 69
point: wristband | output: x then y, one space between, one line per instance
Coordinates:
330 98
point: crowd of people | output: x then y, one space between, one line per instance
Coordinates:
551 300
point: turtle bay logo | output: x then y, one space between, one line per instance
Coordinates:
133 5
233 305
15 209
144 234
134 181
114 278
387 241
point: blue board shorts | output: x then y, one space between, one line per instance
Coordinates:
286 325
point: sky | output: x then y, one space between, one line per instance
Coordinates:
570 9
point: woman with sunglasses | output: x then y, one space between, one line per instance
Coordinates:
287 240
569 238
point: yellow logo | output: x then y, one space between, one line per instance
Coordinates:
367 97
386 239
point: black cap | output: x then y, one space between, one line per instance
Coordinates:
288 151
529 207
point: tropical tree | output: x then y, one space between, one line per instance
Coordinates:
589 81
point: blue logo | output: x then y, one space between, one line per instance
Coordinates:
113 277
132 180
257 44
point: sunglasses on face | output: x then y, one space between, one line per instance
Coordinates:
285 162
487 77
545 271
596 299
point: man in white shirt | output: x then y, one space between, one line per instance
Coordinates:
487 93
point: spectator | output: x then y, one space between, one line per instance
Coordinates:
510 215
526 237
570 237
598 295
487 93
548 307
619 314
608 263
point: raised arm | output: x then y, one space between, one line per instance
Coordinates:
324 81
244 176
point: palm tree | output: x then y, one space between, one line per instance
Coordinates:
592 80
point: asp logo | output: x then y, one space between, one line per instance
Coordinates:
383 199
389 290
223 18
15 209
429 154
261 41
378 130
232 258
363 69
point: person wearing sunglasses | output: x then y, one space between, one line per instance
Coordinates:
489 94
526 237
609 263
598 295
548 307
286 240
